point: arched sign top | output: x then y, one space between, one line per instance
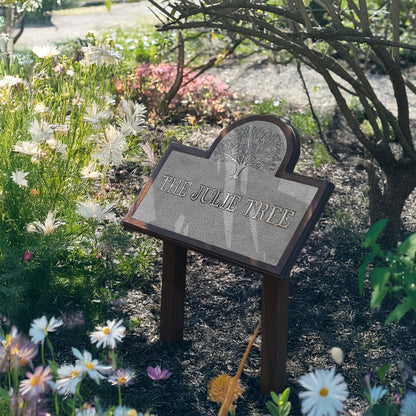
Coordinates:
238 201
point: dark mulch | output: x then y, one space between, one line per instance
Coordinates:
223 306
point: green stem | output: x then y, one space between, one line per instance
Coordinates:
55 395
120 401
42 351
50 346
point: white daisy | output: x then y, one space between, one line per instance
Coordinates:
19 177
108 335
408 407
101 56
40 327
325 395
41 131
89 172
68 378
122 377
28 148
110 147
90 209
133 117
93 368
45 51
46 228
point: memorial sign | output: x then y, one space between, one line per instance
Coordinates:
239 201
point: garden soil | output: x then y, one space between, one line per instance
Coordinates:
223 302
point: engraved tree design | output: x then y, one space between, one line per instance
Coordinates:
254 146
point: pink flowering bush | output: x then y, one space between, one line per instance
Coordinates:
202 97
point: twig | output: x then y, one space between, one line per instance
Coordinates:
322 134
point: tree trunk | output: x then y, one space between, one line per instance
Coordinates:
386 200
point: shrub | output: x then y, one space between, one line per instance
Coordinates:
201 97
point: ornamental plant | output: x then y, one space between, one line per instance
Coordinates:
325 392
199 96
393 273
32 387
64 133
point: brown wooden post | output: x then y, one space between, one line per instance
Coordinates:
173 293
274 334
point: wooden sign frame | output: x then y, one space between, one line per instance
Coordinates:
275 277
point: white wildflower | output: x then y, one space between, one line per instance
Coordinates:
90 172
8 81
45 51
325 392
68 378
57 145
133 117
94 115
110 147
46 228
91 209
19 177
408 407
40 108
100 56
28 148
40 131
107 336
40 327
92 367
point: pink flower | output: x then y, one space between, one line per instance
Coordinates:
156 373
27 256
36 383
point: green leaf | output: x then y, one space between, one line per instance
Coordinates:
368 258
379 278
399 311
272 408
373 233
108 5
408 247
274 396
382 372
285 395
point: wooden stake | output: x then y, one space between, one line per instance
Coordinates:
173 293
274 334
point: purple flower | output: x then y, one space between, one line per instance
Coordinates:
156 373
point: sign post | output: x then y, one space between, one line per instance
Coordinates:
240 202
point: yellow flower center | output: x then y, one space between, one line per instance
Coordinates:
106 330
90 366
15 351
74 374
122 380
132 412
34 381
323 392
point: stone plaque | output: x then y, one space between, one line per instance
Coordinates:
238 201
